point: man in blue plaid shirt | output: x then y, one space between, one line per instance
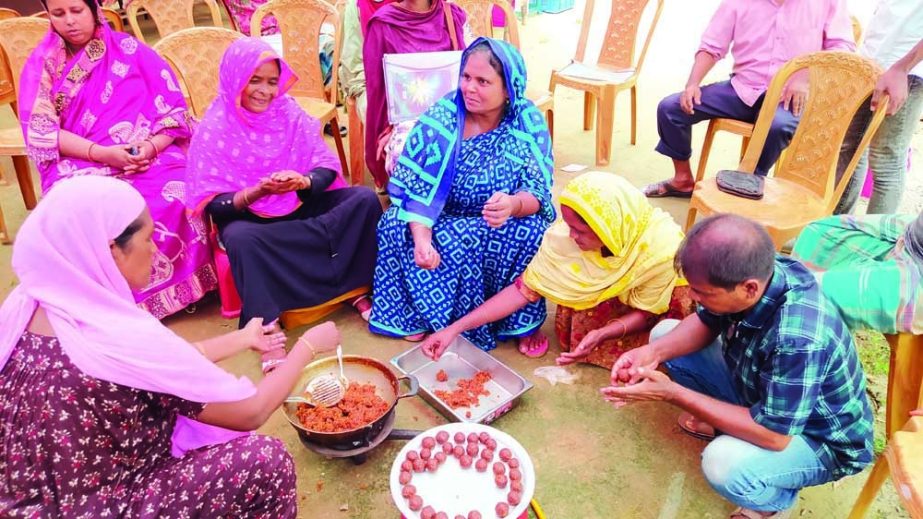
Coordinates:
767 361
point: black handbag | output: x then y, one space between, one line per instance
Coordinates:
742 184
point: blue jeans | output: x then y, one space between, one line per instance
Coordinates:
886 155
746 475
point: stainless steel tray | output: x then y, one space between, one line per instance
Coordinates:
462 360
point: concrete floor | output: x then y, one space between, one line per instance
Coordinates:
591 461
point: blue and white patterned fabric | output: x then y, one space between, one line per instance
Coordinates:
443 181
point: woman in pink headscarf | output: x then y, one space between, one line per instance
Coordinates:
96 102
103 410
296 236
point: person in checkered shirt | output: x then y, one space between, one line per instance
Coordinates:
766 367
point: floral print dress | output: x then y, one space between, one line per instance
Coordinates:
76 446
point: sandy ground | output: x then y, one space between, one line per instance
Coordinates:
592 462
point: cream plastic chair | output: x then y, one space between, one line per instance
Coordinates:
7 92
300 22
169 15
18 38
616 69
802 188
195 55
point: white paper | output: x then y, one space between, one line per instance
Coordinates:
573 168
579 70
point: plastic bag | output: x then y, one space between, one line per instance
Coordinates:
556 375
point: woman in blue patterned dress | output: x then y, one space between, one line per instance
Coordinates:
471 198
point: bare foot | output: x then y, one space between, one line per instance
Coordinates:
534 346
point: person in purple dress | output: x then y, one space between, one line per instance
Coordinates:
93 101
106 412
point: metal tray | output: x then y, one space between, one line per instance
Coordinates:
462 360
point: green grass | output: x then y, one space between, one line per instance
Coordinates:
874 354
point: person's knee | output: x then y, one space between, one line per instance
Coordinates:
725 464
669 107
241 235
662 328
783 126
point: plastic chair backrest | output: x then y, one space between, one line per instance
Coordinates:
111 15
300 23
19 37
195 55
169 15
618 47
480 18
7 13
839 85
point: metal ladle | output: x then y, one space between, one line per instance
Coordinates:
324 390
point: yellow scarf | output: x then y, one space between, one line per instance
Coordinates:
641 238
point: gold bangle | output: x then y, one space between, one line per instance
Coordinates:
90 152
624 327
246 201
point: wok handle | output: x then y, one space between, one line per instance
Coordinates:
412 382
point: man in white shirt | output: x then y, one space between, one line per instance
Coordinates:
893 40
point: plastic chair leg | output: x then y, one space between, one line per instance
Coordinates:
605 116
871 488
589 107
706 150
24 175
904 379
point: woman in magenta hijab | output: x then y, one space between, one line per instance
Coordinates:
96 102
297 237
106 412
399 28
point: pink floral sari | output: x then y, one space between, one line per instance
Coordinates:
117 91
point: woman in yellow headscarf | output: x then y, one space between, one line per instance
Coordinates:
608 266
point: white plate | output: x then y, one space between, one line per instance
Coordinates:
455 490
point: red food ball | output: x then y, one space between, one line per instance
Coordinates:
516 486
428 512
447 447
491 444
514 498
440 457
487 454
407 465
412 455
502 509
442 437
415 503
483 437
459 437
441 515
458 451
429 442
474 514
472 449
465 461
513 463
432 464
426 453
481 465
515 474
500 480
499 468
408 491
472 438
506 454
419 465
405 477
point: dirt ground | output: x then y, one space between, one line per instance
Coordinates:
591 461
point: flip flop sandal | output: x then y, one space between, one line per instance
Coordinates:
664 189
417 337
535 352
684 424
365 314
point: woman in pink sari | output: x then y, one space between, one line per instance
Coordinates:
297 237
96 102
104 412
